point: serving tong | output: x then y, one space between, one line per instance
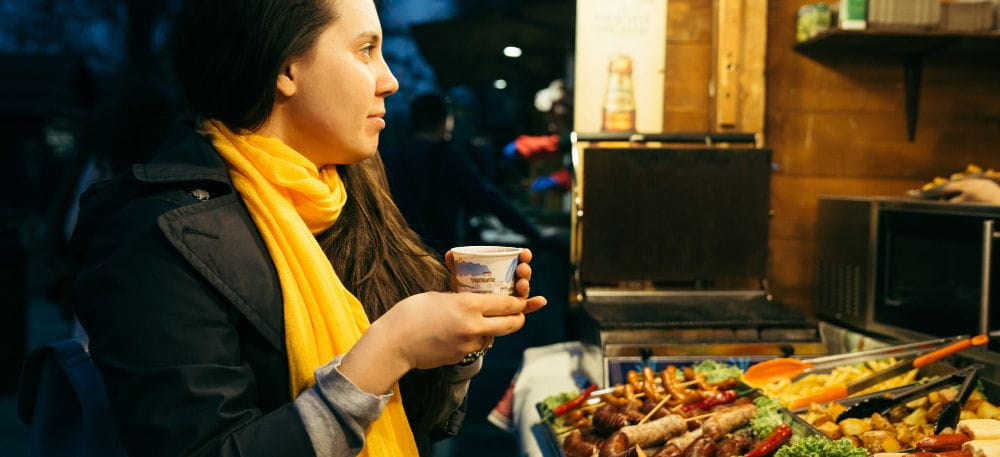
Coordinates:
837 392
949 415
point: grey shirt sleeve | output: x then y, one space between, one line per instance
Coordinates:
336 413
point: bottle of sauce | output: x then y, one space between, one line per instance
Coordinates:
619 97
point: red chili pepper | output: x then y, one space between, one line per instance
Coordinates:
572 404
778 437
721 398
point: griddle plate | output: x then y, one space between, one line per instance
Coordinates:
726 314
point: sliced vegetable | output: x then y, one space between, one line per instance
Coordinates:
816 446
716 372
571 404
767 418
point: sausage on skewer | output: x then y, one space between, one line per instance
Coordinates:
655 432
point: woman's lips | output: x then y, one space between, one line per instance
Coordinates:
378 119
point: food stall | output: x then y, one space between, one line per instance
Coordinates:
688 247
685 351
694 356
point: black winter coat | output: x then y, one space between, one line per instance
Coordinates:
183 307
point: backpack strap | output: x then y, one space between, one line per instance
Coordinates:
56 375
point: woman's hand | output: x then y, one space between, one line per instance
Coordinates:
429 330
522 286
975 190
433 329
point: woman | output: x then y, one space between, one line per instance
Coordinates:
227 286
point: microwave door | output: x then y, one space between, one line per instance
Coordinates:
929 275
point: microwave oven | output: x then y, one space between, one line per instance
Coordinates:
907 268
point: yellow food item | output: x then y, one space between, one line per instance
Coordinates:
904 424
986 410
787 392
980 429
854 426
983 448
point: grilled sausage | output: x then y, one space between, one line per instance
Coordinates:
655 432
733 445
618 445
648 406
702 447
947 442
575 446
727 420
676 446
649 384
607 419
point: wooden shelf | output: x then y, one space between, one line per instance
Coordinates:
911 46
899 42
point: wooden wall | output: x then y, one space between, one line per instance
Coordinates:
689 66
837 126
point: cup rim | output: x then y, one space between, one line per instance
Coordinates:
499 251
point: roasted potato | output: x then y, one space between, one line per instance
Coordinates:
854 427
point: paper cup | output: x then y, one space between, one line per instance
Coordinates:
485 269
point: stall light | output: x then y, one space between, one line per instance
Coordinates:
512 51
500 84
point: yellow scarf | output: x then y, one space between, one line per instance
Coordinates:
291 201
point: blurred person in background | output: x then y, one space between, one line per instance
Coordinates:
436 183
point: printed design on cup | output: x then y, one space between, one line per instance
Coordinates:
480 278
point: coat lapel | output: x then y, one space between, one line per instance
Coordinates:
217 236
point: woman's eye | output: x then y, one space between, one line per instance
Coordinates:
368 49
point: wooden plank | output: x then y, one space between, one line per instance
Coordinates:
751 76
792 271
686 100
728 63
685 121
690 63
794 199
686 96
689 21
875 145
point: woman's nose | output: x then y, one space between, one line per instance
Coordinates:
387 84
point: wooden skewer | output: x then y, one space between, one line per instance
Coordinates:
656 408
701 416
592 406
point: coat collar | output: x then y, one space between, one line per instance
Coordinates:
217 237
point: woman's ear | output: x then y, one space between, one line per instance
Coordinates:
286 80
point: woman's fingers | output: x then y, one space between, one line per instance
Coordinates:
523 271
521 288
534 303
525 255
498 305
503 325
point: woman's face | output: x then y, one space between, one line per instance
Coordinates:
330 104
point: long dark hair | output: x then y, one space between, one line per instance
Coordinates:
227 56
